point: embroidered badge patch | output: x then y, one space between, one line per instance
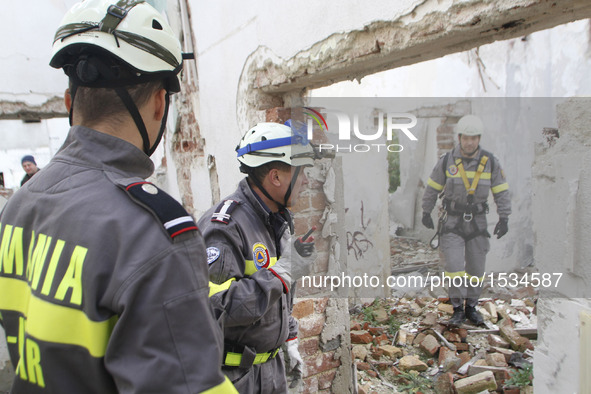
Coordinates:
212 254
453 170
260 256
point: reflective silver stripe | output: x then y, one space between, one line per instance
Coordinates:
177 221
221 215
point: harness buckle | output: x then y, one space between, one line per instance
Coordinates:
468 216
116 11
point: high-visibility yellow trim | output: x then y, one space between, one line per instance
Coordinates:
214 288
435 185
454 274
470 175
250 267
234 359
500 188
223 388
55 323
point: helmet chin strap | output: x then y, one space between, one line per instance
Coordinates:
89 70
139 122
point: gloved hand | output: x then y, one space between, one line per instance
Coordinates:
502 227
304 249
292 266
294 363
427 221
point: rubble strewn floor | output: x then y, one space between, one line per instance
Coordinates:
404 344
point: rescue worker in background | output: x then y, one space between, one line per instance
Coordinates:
30 167
465 176
254 262
104 286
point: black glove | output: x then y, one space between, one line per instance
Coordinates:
427 221
502 227
304 249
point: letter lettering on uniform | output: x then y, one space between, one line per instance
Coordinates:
34 363
57 252
35 266
11 250
20 367
73 277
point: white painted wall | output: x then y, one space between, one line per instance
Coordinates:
545 64
228 32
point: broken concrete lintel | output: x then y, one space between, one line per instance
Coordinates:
52 108
410 39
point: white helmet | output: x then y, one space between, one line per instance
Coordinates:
131 31
267 142
470 125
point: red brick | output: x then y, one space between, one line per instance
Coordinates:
464 357
310 385
323 363
452 336
303 308
309 346
382 339
430 345
277 114
325 380
321 304
317 201
361 337
363 366
376 330
311 325
302 203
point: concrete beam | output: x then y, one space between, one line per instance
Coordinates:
433 29
52 108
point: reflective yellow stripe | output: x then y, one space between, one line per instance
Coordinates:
233 359
223 388
454 274
55 323
214 288
470 175
435 185
250 267
500 188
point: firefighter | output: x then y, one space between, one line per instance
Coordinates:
104 285
254 260
465 176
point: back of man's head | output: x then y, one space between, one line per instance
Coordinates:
116 54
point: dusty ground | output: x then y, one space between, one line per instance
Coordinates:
386 333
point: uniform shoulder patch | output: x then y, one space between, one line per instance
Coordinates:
213 254
169 211
223 213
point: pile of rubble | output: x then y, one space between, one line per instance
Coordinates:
404 344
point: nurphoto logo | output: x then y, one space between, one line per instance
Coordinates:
386 123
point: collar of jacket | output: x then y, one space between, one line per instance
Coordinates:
105 152
256 203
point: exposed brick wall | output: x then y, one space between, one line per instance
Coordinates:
445 136
322 355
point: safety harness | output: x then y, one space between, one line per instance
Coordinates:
467 211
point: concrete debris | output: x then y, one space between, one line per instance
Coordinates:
406 342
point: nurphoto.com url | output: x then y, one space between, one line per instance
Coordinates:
513 280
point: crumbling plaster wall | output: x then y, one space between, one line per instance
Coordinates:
270 57
562 247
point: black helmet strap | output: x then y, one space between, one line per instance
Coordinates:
93 72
